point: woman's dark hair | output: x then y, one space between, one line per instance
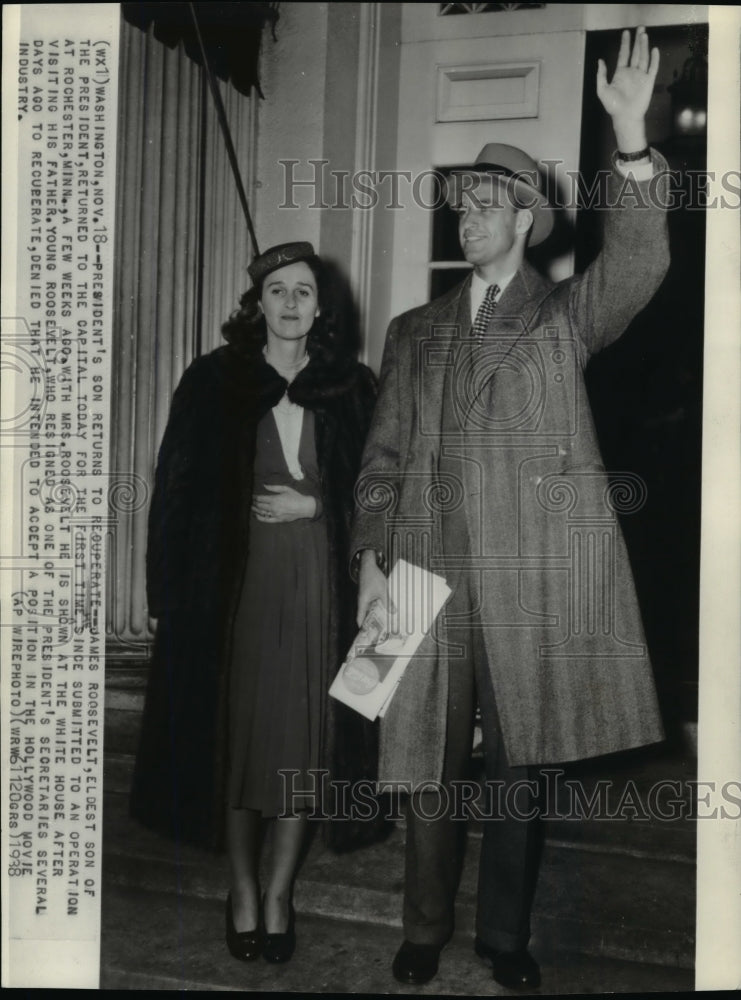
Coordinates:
328 338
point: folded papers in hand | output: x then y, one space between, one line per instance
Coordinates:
388 639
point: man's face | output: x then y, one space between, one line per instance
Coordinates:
487 227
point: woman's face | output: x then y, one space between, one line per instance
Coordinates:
289 301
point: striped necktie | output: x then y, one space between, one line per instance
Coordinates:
485 312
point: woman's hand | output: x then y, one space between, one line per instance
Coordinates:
282 504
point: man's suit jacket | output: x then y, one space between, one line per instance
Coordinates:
548 564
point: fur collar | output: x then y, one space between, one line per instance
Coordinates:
316 385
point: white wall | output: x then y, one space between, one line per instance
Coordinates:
420 21
555 37
291 121
423 142
598 16
324 100
331 93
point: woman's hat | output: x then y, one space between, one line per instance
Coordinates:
278 256
501 166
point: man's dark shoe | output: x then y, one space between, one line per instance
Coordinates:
416 963
517 970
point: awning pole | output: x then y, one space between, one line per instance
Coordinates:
221 114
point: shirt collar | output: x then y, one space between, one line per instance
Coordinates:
478 291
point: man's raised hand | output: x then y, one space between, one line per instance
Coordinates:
627 97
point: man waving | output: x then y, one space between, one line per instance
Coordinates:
484 441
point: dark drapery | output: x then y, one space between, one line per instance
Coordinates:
231 33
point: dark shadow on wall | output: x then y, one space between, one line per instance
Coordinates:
347 318
646 389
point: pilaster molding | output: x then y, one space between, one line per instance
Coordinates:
366 131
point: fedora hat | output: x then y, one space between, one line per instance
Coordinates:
501 166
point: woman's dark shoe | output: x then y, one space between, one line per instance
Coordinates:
278 948
244 945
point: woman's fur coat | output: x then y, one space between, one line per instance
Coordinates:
197 551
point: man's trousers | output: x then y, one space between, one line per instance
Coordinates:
510 848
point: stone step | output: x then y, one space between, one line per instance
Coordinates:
670 840
645 804
123 714
154 940
593 901
619 888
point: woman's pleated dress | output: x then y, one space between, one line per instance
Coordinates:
280 642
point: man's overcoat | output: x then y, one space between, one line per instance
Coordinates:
547 561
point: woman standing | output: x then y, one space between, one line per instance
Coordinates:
247 575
